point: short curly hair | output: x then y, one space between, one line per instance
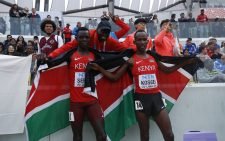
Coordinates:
42 26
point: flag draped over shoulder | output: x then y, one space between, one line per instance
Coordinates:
48 95
14 76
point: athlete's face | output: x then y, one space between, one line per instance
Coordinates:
141 41
48 28
103 34
83 38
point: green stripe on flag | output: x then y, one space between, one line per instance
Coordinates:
120 118
48 120
169 105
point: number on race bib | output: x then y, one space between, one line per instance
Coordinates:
138 105
79 79
147 81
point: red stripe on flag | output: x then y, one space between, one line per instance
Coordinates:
172 84
52 83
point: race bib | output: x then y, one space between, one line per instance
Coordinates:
138 105
147 81
79 79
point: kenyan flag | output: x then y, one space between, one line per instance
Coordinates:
48 103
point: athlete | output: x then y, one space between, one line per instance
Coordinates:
82 104
147 97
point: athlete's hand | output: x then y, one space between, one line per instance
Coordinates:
113 17
94 66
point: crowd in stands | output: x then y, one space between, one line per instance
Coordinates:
208 50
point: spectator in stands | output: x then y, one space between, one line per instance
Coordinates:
191 47
104 16
58 25
6 42
217 28
183 30
202 20
67 33
219 64
13 42
140 24
2 26
25 22
76 28
174 24
2 48
30 51
222 49
20 49
208 74
131 24
14 20
36 43
153 25
210 48
11 50
191 26
165 43
203 55
50 41
89 24
214 40
21 40
49 17
216 54
35 21
186 53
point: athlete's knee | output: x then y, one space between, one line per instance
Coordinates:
101 137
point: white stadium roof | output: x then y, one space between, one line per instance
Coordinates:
74 7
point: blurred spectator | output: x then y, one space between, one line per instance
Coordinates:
217 28
186 53
131 24
36 43
21 40
14 20
191 26
49 17
153 25
216 54
25 22
67 33
104 16
174 24
203 55
2 26
2 48
74 32
183 30
219 64
222 49
140 24
210 48
214 40
191 47
20 49
208 74
35 21
11 51
6 42
13 42
58 25
202 20
89 25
